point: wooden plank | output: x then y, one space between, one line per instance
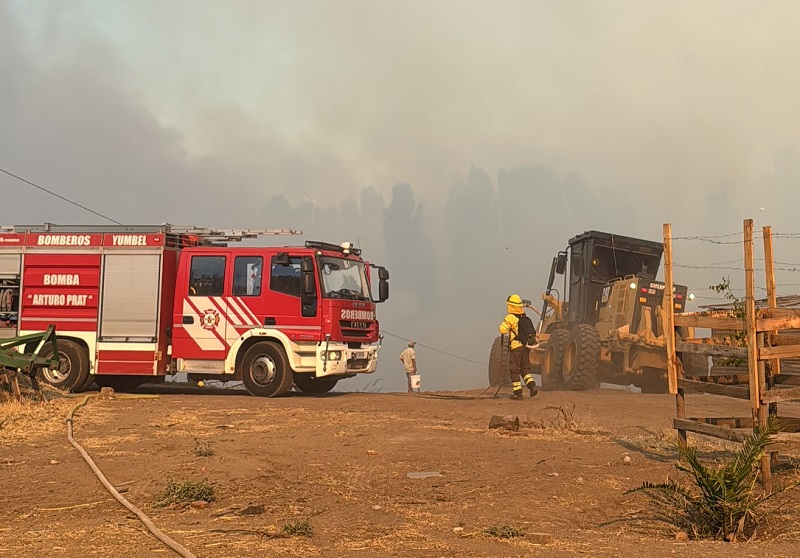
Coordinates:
727 422
773 312
777 395
789 425
787 351
771 324
782 339
750 317
709 430
668 313
739 392
710 322
712 349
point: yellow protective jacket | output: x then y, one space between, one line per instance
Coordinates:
511 325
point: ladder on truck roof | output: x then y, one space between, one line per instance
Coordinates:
205 236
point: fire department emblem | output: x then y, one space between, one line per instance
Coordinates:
210 319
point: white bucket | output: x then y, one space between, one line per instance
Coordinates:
415 381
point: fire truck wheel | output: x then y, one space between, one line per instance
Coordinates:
582 358
553 360
498 363
265 370
73 366
314 386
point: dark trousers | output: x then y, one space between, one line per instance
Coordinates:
519 364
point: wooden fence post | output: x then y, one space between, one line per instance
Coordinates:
668 312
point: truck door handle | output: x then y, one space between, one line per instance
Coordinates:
188 320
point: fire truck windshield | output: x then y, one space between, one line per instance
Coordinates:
342 278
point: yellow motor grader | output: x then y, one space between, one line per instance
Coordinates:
605 324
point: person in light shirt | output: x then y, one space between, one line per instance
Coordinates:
409 360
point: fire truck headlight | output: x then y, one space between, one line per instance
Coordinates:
632 285
332 355
691 296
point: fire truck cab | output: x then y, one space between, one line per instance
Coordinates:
132 304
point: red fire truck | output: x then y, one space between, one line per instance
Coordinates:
132 304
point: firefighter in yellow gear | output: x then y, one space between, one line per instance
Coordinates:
519 364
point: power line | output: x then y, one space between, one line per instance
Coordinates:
59 196
434 348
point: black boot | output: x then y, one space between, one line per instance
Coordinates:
532 387
517 395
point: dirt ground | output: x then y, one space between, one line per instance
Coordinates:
340 464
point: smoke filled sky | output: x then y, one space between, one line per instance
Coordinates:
452 139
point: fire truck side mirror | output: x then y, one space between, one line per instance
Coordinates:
383 284
308 284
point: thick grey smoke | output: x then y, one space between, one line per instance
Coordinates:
459 143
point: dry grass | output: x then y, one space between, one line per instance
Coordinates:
29 420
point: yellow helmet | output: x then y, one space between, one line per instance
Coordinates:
514 303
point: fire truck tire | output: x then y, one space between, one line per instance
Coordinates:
314 386
266 371
498 364
582 358
73 366
553 360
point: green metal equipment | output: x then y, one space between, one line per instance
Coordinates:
13 360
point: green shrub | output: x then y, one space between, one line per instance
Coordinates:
298 529
186 492
718 502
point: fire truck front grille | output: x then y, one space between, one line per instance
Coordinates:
358 364
352 328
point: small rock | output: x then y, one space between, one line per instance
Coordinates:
271 531
539 538
54 462
579 480
199 504
376 507
553 475
682 536
372 452
458 529
627 460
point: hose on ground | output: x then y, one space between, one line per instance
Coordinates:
157 533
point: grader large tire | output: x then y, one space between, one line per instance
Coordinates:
498 363
581 358
553 360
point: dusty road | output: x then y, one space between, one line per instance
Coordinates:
340 465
